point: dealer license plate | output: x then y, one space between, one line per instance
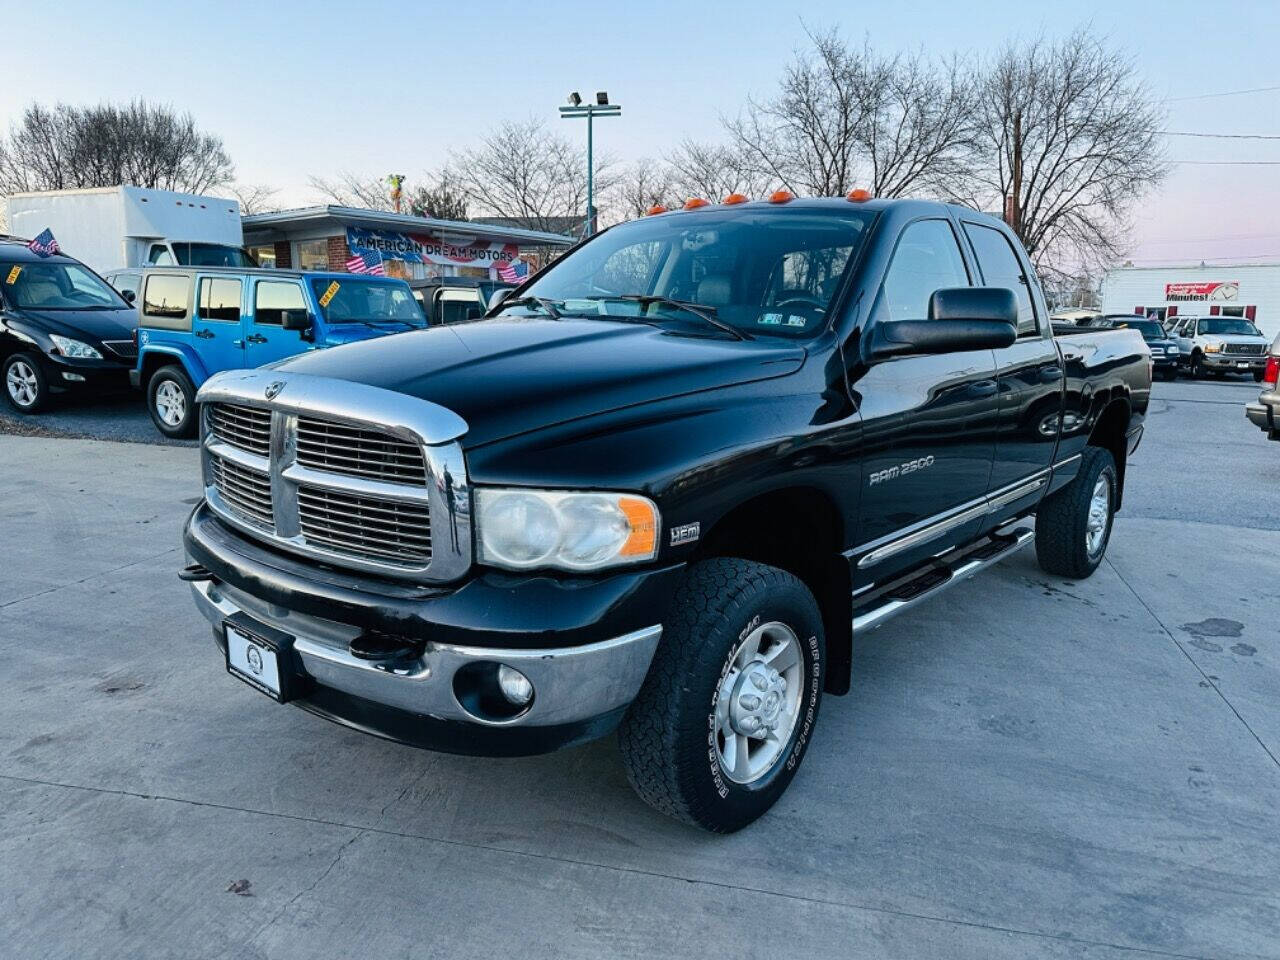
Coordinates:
254 661
1242 365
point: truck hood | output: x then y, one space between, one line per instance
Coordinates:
97 324
1225 338
510 375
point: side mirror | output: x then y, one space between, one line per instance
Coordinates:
298 320
129 296
960 318
498 297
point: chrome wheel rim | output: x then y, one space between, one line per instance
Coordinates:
1099 513
171 403
759 702
22 383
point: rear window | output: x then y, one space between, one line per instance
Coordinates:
165 297
1001 268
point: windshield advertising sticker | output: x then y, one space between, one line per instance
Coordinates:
419 248
1220 290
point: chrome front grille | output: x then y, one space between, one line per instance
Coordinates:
366 527
245 491
359 452
248 428
1245 349
349 475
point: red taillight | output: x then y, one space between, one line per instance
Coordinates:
1273 371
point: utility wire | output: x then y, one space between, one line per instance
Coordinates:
1224 136
1229 163
1229 93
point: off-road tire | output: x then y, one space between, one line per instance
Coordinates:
667 735
31 363
1197 370
1062 520
186 428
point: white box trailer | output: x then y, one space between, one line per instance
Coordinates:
112 227
1249 290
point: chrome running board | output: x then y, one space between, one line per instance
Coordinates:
901 596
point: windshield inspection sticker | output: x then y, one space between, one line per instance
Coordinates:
13 276
795 321
329 293
770 319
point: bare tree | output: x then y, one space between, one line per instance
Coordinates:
524 173
845 117
353 190
141 144
644 185
715 170
1068 143
254 197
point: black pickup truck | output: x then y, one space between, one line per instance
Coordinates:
661 488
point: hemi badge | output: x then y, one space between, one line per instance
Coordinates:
687 533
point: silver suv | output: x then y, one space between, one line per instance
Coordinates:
1266 412
1218 345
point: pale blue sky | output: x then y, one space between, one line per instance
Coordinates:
312 88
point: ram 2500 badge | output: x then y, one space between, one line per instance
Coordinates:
661 488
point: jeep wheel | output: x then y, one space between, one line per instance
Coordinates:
171 398
722 721
1073 526
24 383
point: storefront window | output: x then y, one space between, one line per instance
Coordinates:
264 255
313 255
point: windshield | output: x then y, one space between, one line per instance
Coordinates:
761 272
1229 326
57 286
376 302
212 255
1150 329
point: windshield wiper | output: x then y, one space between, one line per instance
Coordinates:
544 303
703 313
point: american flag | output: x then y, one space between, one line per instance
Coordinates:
368 261
513 271
44 245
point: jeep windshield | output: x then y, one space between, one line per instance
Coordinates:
371 302
56 286
1230 327
760 272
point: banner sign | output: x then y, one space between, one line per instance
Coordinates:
504 258
1220 290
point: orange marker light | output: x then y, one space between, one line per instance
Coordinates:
781 196
656 209
734 198
643 540
859 195
693 203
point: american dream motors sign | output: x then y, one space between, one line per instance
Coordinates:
1199 292
504 258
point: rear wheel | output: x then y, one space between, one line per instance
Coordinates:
24 382
1257 376
171 398
722 721
1073 527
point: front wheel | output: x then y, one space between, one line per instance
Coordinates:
1197 366
727 710
1073 527
171 398
25 384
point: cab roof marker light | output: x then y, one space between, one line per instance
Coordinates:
693 203
735 198
656 209
858 195
781 196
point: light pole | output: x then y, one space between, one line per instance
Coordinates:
601 108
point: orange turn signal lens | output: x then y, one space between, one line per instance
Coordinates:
734 198
693 203
643 519
781 196
656 209
859 195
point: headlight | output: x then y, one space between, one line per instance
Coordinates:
1213 348
74 348
1171 350
521 528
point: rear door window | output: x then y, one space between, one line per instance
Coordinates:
220 299
1001 267
927 258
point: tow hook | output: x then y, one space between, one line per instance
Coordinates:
195 573
373 645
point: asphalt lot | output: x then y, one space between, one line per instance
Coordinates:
1031 767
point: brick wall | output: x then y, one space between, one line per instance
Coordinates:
338 253
284 259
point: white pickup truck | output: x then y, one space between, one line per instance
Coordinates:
1218 345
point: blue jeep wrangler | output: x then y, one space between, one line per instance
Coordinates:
196 321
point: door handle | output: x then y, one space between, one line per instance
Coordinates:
255 338
205 334
983 388
1050 374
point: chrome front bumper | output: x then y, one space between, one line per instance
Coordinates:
571 684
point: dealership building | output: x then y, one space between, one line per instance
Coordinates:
414 248
1249 290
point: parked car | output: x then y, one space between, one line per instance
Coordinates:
1218 345
455 299
1164 349
62 328
660 488
1266 412
193 323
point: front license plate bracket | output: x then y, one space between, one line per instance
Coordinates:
263 657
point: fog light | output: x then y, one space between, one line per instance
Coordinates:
515 686
73 377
